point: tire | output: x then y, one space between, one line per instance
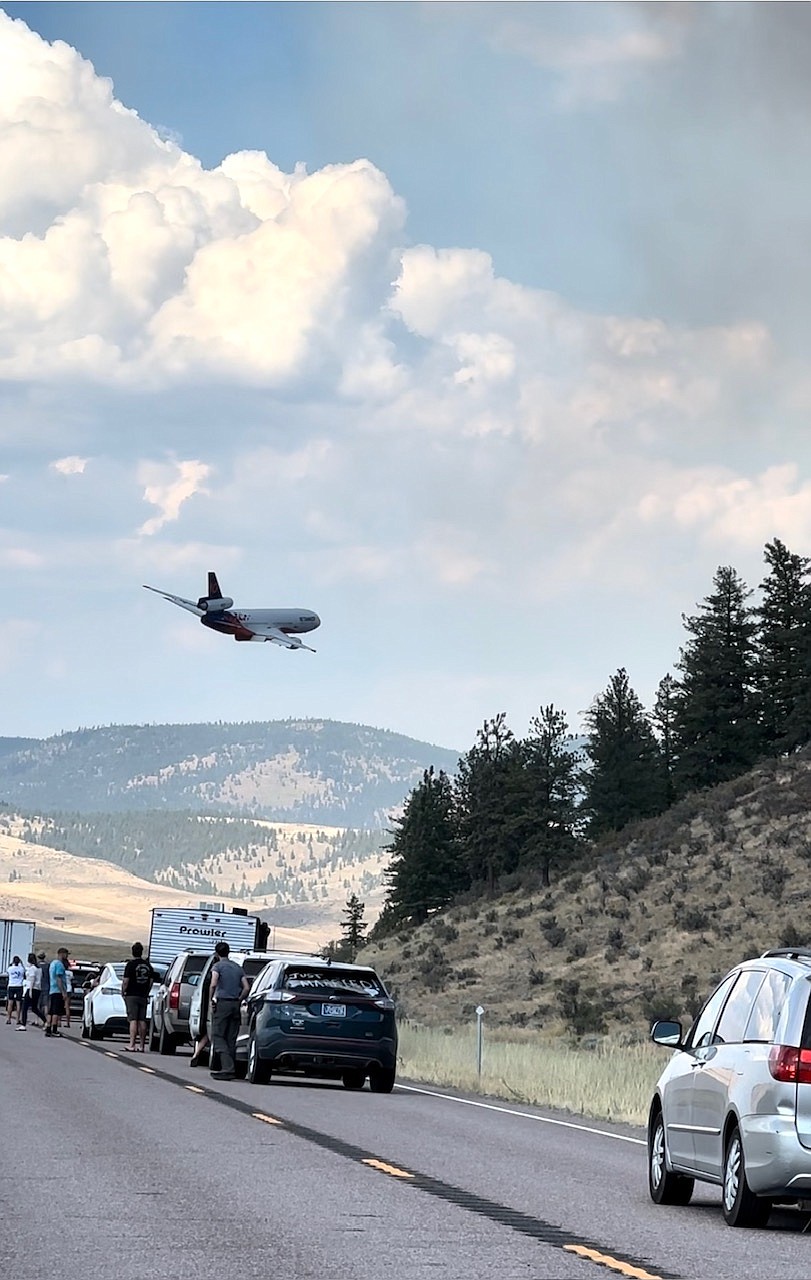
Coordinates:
258 1072
381 1079
742 1208
153 1037
85 1030
96 1033
353 1079
665 1187
240 1068
166 1043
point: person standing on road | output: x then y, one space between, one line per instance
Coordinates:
58 992
135 988
14 993
229 987
44 984
31 990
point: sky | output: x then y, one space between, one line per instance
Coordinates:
479 329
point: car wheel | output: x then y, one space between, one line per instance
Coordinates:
381 1080
240 1068
742 1208
153 1037
258 1072
95 1033
353 1079
166 1043
85 1030
665 1187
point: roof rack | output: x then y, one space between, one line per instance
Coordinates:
789 953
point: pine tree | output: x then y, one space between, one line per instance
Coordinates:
784 650
489 799
550 785
353 926
663 718
717 736
425 869
623 781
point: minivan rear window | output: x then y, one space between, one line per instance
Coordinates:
762 1025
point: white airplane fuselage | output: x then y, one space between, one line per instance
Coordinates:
255 624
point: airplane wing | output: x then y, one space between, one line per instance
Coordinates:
184 604
280 637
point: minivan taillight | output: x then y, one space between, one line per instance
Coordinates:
790 1064
174 996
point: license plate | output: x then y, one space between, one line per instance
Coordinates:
333 1011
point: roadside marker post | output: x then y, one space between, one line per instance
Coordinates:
479 1039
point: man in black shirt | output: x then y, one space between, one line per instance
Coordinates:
135 988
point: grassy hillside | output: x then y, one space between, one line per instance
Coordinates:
317 771
663 911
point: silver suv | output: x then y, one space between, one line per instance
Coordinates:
171 1001
733 1105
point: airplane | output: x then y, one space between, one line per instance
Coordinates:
279 626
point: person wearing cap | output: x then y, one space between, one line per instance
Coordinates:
229 987
58 990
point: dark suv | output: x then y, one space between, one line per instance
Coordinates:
171 1001
309 1017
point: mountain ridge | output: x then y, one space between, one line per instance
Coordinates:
301 769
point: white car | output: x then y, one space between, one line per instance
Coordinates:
104 1011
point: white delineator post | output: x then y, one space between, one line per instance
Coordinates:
479 1039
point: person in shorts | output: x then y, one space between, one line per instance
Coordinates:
14 994
57 995
135 988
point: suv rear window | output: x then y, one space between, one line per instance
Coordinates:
320 980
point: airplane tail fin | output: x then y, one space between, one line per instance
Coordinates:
215 601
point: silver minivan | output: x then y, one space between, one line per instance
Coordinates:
733 1105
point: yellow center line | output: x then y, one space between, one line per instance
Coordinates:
260 1115
387 1168
192 1088
614 1264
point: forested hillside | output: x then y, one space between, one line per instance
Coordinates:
317 771
641 929
215 855
536 806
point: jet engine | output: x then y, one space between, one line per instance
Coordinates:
209 605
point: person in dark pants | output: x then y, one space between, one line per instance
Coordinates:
31 990
45 984
229 987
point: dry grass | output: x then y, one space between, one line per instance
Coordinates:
74 897
608 1081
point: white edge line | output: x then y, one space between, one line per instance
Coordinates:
524 1115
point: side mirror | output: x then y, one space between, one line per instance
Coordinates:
668 1034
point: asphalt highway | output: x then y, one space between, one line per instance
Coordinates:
117 1166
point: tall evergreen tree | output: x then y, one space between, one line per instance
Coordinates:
550 793
717 735
784 649
425 870
353 926
623 781
489 798
663 718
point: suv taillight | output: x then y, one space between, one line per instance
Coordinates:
790 1064
174 996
